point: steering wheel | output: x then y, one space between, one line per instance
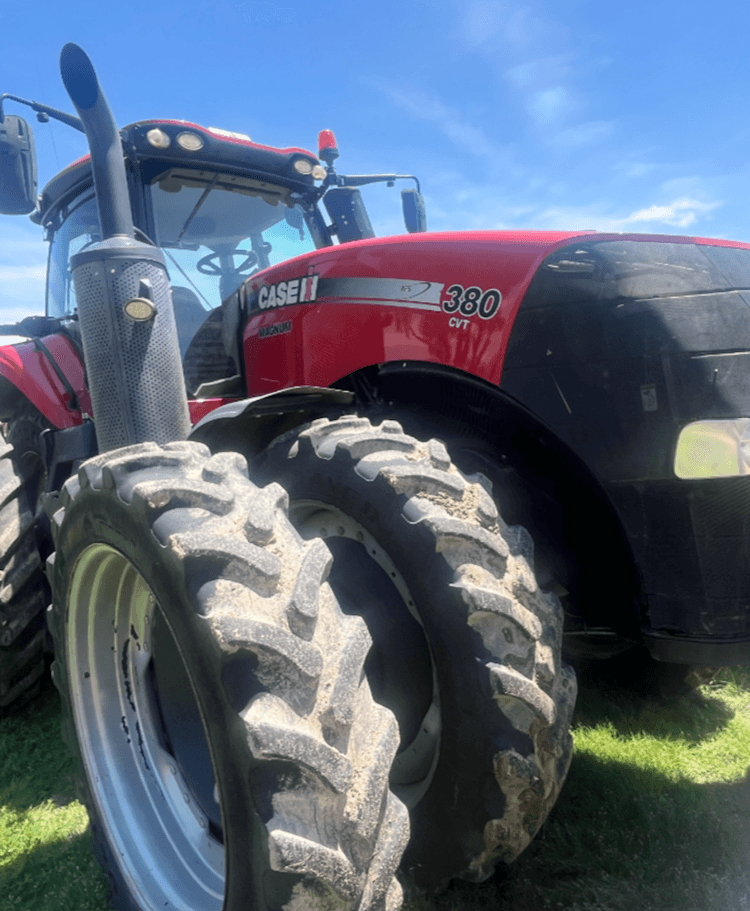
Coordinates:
212 264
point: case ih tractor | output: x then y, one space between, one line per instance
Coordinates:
285 477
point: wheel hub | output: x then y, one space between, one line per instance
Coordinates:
153 787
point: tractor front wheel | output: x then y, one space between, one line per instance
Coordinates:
230 753
466 646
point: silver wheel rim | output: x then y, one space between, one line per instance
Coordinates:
414 766
163 842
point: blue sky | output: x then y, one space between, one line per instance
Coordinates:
526 114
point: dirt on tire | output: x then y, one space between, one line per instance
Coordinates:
299 751
502 697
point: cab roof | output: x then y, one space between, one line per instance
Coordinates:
219 149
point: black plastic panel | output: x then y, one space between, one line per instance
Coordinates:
616 376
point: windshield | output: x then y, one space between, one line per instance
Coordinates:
217 229
79 229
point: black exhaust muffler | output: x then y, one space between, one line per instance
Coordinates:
123 294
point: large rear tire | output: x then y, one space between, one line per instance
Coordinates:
231 755
24 594
466 646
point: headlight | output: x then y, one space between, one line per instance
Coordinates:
713 449
158 138
191 142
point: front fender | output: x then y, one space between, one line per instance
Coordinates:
47 372
249 425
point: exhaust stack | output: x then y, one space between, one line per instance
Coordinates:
122 289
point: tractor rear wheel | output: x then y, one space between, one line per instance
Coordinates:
467 648
24 594
230 752
24 431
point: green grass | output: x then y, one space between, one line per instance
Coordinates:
46 862
655 814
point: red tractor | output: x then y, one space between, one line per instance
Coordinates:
286 477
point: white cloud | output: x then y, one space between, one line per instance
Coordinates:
583 134
679 214
693 185
512 26
638 169
23 266
23 291
550 106
532 47
19 247
482 20
452 122
11 276
541 71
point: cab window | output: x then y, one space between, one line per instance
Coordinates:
79 228
217 229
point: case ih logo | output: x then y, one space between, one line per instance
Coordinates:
459 302
295 291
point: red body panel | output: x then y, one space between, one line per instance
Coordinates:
30 371
393 309
199 408
371 302
389 299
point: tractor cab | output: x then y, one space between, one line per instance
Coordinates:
220 208
215 223
214 233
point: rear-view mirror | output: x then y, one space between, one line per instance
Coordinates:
17 167
415 215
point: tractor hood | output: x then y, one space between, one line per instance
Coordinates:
425 265
452 297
